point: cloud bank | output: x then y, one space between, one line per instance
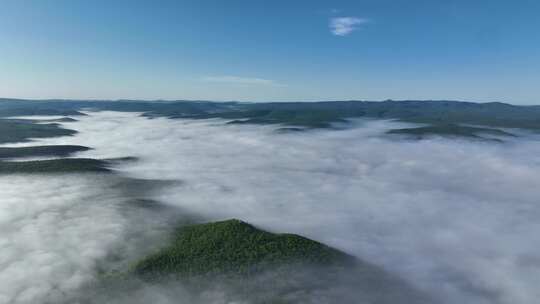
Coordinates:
343 26
58 232
240 80
53 230
457 219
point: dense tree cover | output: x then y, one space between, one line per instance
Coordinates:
452 130
236 247
34 151
64 165
18 130
244 264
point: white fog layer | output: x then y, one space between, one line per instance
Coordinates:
457 219
52 232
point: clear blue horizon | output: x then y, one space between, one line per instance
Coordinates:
271 51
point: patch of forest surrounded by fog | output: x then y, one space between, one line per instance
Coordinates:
457 219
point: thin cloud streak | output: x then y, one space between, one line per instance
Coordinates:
229 79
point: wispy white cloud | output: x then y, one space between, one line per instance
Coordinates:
228 79
343 26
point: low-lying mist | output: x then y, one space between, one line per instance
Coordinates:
457 219
58 232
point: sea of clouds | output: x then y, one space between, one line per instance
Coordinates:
458 219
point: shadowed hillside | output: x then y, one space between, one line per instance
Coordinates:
236 247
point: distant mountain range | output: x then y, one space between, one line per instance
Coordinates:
303 113
440 117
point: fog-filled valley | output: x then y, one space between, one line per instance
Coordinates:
438 220
269 152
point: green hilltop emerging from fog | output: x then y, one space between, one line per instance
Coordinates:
251 265
234 247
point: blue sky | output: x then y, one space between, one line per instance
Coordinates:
481 50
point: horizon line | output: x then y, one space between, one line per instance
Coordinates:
252 101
